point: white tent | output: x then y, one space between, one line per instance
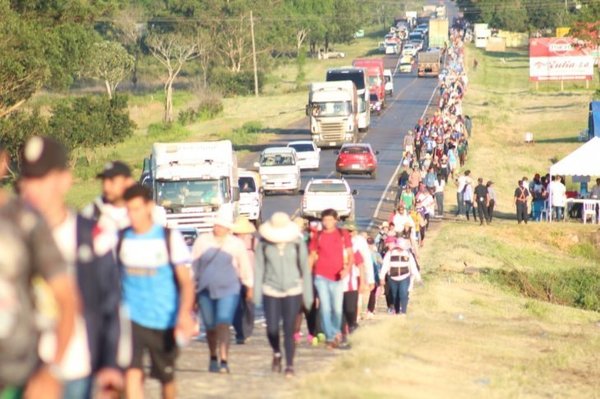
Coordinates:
584 161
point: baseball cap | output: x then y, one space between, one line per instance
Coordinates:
113 169
41 155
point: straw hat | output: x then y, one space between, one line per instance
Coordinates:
243 225
350 225
279 229
224 219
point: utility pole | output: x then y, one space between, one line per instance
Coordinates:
254 55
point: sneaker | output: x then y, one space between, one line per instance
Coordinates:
321 337
240 341
297 337
213 366
289 372
224 368
315 341
370 316
309 339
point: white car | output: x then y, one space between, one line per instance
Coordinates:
321 194
279 170
391 48
251 195
309 155
389 81
409 49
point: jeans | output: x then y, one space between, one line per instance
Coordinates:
217 311
439 199
557 212
331 297
490 210
536 209
470 208
482 211
78 389
286 309
399 291
350 311
460 203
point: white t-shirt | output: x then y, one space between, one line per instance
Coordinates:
462 180
439 186
558 191
76 361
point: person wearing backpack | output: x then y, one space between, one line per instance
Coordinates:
330 260
157 291
29 253
91 357
282 283
403 272
221 266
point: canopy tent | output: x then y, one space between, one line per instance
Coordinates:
584 161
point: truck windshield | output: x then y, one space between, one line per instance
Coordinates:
374 81
247 184
327 188
277 160
358 78
335 108
181 193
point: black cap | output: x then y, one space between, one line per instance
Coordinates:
42 155
113 169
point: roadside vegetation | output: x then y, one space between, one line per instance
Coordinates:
506 310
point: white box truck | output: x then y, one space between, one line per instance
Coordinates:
333 111
194 181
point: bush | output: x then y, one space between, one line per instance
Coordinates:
232 83
210 106
91 121
17 128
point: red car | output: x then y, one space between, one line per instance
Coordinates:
356 158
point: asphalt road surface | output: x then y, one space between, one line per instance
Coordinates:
407 104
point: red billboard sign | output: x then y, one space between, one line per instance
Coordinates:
559 58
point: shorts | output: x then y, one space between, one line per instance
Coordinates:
162 348
217 311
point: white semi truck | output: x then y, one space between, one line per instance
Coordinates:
333 112
194 181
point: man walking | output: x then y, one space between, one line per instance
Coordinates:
28 249
461 182
482 197
330 260
92 351
157 291
521 195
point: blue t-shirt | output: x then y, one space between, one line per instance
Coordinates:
149 289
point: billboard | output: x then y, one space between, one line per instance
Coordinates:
559 58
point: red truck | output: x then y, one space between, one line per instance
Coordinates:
374 68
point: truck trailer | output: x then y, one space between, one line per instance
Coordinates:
428 63
438 32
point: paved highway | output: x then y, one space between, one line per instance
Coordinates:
408 103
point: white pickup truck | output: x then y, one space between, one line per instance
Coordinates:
321 194
279 170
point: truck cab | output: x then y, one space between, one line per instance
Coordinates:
193 181
333 111
279 170
374 68
251 195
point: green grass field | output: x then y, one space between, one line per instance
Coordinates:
471 331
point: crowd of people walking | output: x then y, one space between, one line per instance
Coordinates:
124 286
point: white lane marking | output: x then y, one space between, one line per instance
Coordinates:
378 208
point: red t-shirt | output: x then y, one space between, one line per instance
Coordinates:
329 247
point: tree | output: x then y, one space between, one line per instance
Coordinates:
109 62
172 50
23 68
130 26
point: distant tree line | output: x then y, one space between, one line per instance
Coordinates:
530 15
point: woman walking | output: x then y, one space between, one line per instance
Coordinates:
403 272
221 266
440 185
282 283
